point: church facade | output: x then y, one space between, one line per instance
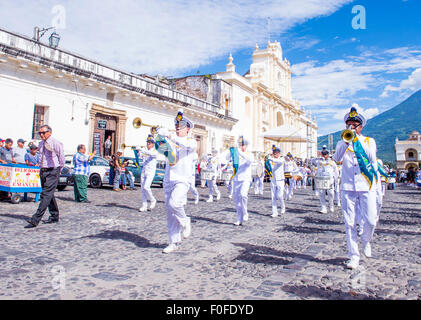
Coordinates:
262 102
408 152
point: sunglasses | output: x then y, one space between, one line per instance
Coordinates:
43 132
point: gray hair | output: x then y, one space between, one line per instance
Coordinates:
47 127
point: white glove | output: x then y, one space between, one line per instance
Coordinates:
163 132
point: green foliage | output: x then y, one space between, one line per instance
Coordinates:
397 122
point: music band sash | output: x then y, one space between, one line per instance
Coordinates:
366 167
235 161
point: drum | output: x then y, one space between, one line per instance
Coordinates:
298 177
206 174
322 183
257 170
288 175
227 175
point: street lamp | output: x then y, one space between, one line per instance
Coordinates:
54 37
54 40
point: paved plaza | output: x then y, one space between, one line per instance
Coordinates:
107 249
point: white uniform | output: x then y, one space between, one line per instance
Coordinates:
147 175
176 185
259 182
192 183
291 167
338 186
327 168
228 183
213 166
277 184
358 200
241 184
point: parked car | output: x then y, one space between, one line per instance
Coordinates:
100 170
65 179
159 174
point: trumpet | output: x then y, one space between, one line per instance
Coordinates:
348 135
124 146
138 123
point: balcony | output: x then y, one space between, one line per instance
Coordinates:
19 46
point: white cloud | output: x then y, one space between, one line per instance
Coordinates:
163 36
412 83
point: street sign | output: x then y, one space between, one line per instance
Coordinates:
102 124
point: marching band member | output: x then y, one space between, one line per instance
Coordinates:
192 182
148 173
277 181
289 168
338 185
259 181
176 180
213 165
358 186
242 179
228 183
327 168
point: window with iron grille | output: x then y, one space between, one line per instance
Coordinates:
39 120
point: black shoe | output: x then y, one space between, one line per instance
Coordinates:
30 224
51 220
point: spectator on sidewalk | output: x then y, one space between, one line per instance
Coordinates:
32 157
81 173
6 152
19 152
126 176
116 164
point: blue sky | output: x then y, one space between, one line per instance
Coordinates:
334 65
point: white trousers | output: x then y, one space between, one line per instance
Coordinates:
258 185
229 186
358 205
277 190
337 192
241 189
213 187
175 199
192 187
146 191
289 189
322 197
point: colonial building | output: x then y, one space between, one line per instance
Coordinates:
85 101
262 102
408 152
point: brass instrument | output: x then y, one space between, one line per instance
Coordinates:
138 123
348 135
124 146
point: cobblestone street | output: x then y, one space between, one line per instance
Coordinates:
107 249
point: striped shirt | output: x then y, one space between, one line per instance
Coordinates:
81 164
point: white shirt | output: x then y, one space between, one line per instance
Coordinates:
277 168
352 179
290 166
213 164
327 168
149 161
244 166
19 154
184 149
